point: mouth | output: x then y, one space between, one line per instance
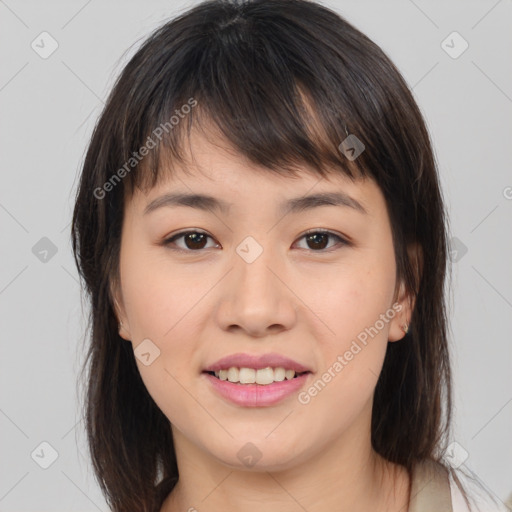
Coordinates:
261 376
256 380
251 387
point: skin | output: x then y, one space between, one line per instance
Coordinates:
294 299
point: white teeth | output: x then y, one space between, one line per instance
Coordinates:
264 376
247 376
279 374
261 376
232 374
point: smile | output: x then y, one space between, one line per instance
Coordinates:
254 394
262 376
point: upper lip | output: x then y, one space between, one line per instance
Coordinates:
257 362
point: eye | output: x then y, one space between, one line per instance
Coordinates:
195 240
318 239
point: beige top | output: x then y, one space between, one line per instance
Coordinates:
430 488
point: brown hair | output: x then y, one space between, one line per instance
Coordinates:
285 82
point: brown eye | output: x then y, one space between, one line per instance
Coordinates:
193 240
318 240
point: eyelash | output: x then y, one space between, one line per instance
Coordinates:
342 241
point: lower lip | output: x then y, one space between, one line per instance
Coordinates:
257 395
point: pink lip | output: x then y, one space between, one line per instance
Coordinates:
256 395
257 362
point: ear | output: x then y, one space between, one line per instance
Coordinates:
406 299
119 310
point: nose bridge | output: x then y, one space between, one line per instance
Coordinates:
256 299
253 262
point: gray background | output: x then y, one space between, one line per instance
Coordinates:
49 107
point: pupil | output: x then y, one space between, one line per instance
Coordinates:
194 237
314 239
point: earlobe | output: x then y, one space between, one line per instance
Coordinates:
122 325
399 326
123 332
398 332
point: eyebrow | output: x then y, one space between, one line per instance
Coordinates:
294 205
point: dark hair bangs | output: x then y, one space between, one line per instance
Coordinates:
256 89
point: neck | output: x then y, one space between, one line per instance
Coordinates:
339 478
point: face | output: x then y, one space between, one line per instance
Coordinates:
309 288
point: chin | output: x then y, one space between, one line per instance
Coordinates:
259 454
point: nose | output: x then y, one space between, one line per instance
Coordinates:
256 297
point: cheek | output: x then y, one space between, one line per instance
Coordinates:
356 297
351 358
356 308
157 295
160 302
163 304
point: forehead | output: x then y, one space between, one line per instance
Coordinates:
224 178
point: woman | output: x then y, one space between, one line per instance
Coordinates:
261 231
